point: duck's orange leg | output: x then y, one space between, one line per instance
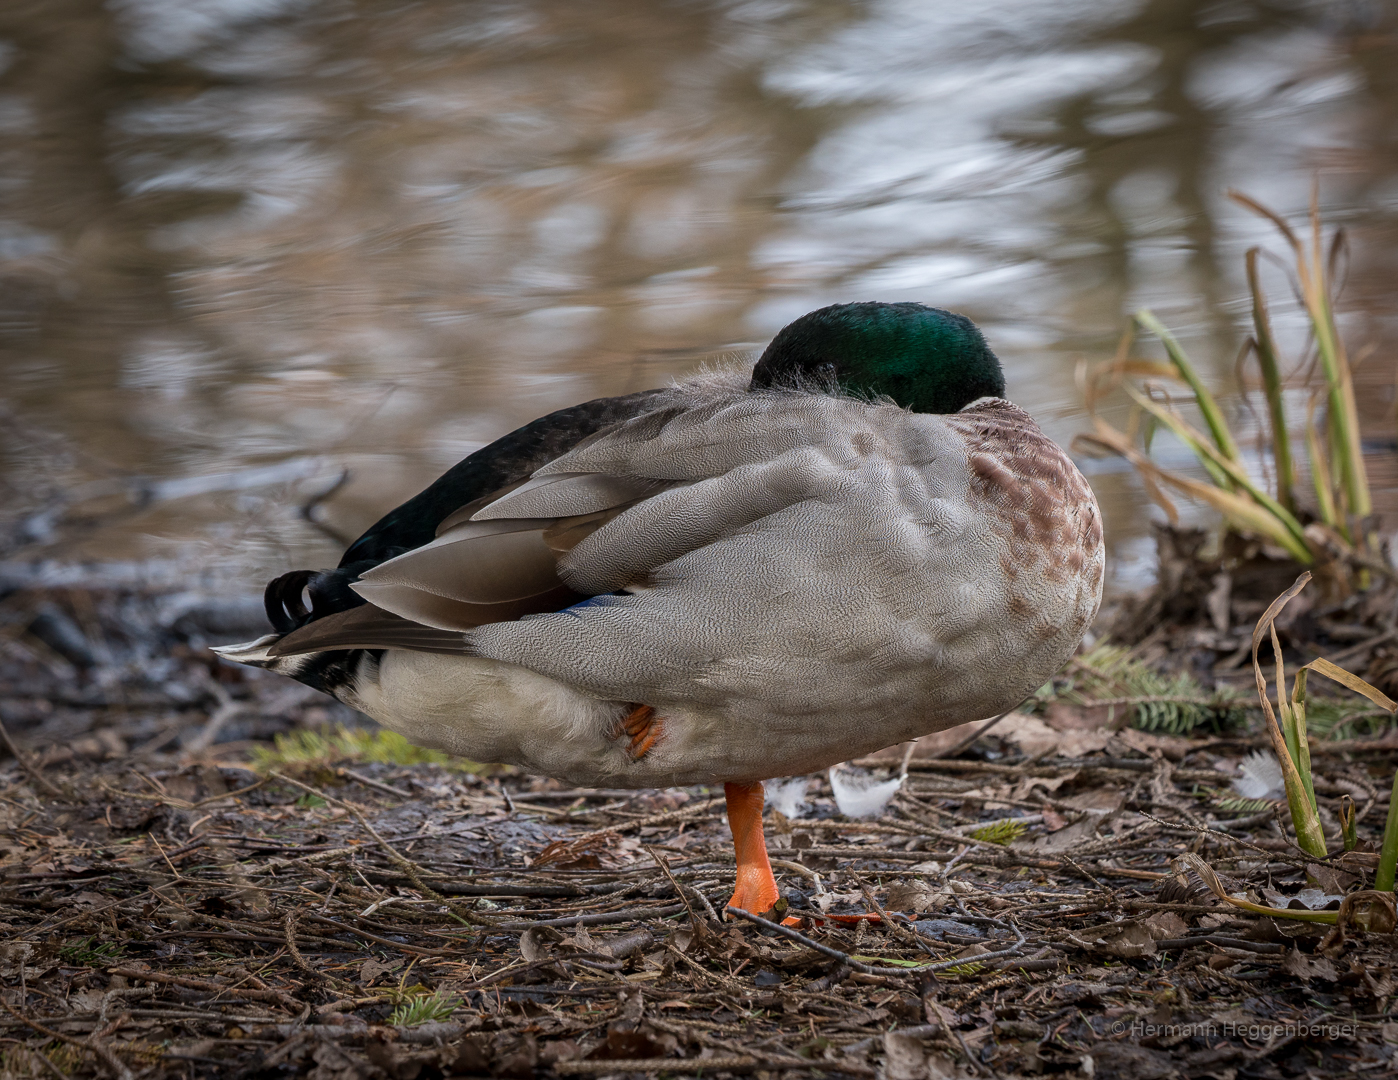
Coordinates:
757 888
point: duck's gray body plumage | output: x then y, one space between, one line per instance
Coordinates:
789 579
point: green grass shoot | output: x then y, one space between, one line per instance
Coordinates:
89 952
1287 727
1349 827
301 749
1388 851
423 1009
999 832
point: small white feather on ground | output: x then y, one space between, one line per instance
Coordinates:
1262 777
859 794
788 796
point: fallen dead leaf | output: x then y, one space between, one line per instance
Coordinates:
1174 747
1061 716
916 896
1309 967
1127 939
1331 880
1166 924
372 969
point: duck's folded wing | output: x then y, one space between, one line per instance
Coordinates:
478 572
708 505
682 519
794 550
716 470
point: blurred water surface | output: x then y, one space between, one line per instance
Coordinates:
254 252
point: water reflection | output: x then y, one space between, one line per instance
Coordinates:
313 236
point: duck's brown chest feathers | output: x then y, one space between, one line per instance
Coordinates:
1030 494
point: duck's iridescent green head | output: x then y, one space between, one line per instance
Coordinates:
924 358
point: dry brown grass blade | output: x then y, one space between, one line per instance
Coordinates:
1109 440
1271 215
1324 667
1210 878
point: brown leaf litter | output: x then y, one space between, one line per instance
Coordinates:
166 911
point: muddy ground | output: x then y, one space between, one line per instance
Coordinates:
183 895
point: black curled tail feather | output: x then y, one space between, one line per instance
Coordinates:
282 598
327 590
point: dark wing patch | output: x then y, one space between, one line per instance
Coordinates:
465 513
283 600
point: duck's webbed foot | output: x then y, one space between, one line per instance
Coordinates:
644 727
756 889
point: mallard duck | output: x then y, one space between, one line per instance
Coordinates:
747 575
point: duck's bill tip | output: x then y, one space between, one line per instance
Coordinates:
257 653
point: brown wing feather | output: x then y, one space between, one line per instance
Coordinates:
488 562
367 627
478 572
567 533
499 569
453 615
